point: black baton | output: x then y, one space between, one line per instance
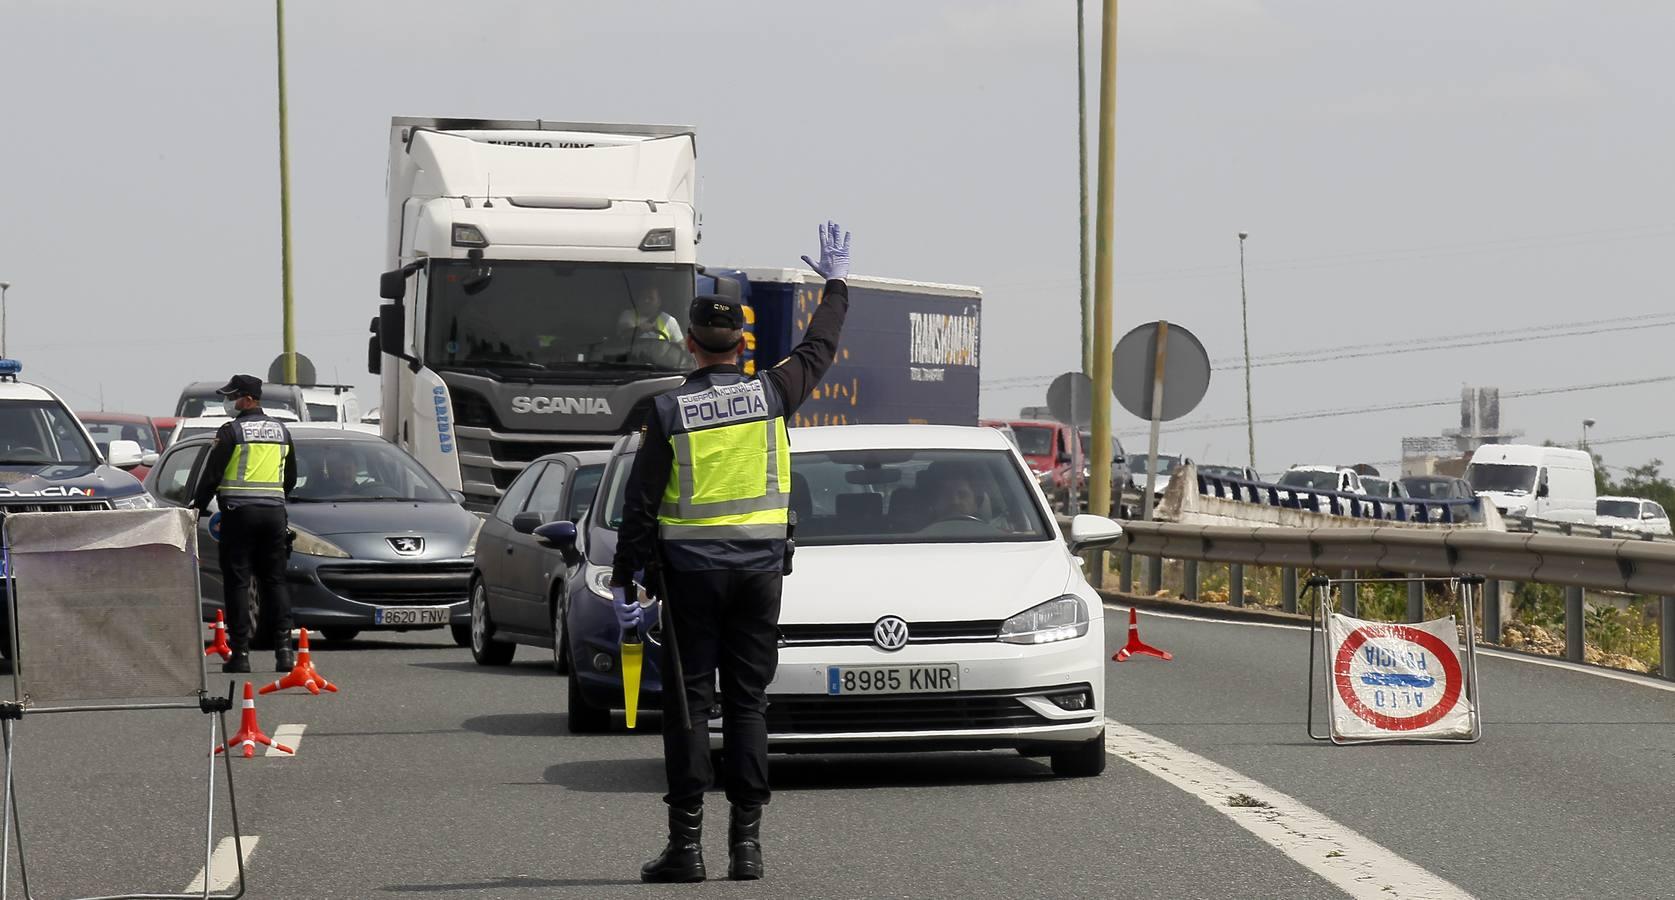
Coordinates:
677 672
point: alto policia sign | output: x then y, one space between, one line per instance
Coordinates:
1397 681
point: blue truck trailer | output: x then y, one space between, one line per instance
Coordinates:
909 354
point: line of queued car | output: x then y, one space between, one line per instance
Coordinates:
934 602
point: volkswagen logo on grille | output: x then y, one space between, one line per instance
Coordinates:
890 633
407 546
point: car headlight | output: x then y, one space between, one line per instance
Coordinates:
471 545
313 545
1059 619
599 581
138 501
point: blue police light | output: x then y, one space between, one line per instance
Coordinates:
10 368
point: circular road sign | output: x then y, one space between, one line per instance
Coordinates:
1397 678
305 370
1186 371
1070 398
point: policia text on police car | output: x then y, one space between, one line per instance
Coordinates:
250 470
709 501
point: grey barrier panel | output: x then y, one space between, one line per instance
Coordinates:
1492 610
1666 623
1189 585
1154 575
107 606
1236 584
1125 578
1415 601
1351 593
1288 589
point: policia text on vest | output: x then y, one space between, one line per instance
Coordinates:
250 470
708 498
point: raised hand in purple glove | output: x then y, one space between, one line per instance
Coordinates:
834 253
627 609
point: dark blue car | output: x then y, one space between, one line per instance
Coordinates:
554 591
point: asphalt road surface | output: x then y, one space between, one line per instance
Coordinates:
429 776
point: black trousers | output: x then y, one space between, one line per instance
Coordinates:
253 545
727 622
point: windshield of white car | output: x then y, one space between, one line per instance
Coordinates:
1501 478
536 315
1033 440
1618 509
350 471
1166 465
1314 481
323 412
41 432
106 430
1430 488
1375 487
912 497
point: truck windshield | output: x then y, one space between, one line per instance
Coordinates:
1034 440
1501 478
533 315
40 432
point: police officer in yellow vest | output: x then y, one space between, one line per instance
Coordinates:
709 498
250 470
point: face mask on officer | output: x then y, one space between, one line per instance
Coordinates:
231 406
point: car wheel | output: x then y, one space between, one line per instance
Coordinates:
484 649
339 633
561 641
1083 760
462 634
581 717
259 640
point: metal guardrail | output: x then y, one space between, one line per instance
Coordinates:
1524 524
1632 566
1337 503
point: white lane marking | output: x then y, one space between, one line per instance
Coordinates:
223 865
290 736
1351 862
1645 681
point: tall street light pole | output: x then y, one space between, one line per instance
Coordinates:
1244 317
1586 424
4 286
1099 491
1082 179
288 347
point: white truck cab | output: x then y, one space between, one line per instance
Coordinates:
1522 480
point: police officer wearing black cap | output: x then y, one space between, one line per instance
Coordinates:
251 469
709 499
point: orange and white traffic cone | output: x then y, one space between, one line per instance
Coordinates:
303 674
1135 645
218 645
249 733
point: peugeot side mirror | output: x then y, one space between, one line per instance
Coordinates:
527 522
125 454
459 496
1089 532
558 535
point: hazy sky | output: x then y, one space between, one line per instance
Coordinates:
1411 171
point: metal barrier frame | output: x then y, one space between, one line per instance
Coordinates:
1321 622
13 711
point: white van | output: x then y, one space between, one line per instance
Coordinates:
1551 483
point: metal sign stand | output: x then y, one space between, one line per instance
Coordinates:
1320 623
12 711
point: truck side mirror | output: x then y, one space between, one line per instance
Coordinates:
392 327
1541 489
392 285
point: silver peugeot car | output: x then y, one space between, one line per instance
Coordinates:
378 542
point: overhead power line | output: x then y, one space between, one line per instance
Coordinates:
1416 404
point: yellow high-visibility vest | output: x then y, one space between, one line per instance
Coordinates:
731 475
257 466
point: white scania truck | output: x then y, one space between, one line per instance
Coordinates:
538 277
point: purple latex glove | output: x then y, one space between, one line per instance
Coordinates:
627 609
834 253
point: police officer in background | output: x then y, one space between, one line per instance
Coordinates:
708 498
250 469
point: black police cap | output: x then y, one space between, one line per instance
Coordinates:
242 386
713 311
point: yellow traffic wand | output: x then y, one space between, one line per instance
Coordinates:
633 660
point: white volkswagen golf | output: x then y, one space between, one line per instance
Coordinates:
933 602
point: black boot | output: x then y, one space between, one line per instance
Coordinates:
683 859
744 844
284 659
238 662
